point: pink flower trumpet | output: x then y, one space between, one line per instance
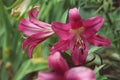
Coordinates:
35 30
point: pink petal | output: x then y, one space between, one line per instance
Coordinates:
58 63
75 19
79 57
80 73
62 30
49 76
32 44
88 33
31 47
33 15
60 46
94 22
79 53
33 40
92 25
28 28
97 40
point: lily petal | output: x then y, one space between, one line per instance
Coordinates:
33 13
58 63
79 52
49 76
31 47
75 19
62 30
60 46
97 40
33 40
92 25
28 28
32 26
79 57
80 73
94 22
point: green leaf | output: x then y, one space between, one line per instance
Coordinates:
93 49
64 17
31 65
98 76
37 51
97 69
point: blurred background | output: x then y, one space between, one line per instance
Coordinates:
16 66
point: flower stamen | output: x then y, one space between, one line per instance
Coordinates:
79 45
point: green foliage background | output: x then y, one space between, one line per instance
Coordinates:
16 66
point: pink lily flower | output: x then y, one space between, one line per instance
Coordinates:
61 71
77 34
35 30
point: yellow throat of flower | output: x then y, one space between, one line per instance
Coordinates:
77 32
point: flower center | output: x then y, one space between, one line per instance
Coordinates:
77 32
79 44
